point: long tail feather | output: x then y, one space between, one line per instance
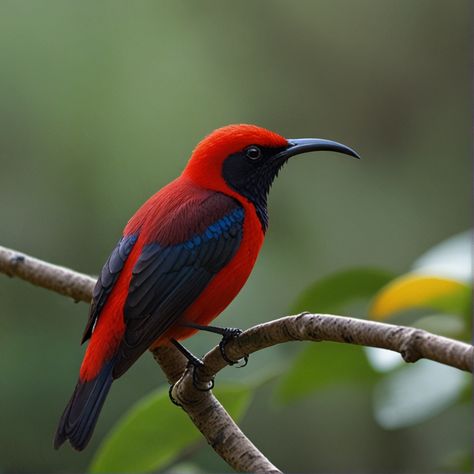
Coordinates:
81 413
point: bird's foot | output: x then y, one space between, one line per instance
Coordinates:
227 335
173 400
196 364
199 384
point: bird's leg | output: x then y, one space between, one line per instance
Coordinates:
192 359
227 335
196 364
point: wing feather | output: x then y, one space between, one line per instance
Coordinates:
107 278
167 280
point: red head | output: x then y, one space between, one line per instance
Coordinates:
205 165
243 160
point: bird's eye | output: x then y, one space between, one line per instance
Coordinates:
253 152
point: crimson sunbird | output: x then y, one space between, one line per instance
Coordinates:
182 258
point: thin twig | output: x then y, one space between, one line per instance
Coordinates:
202 407
412 344
52 277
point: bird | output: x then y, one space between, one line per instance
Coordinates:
182 258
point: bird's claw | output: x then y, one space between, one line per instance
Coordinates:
198 385
173 400
229 334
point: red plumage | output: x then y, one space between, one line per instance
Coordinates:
183 258
170 217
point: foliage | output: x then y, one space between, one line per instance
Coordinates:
154 432
333 293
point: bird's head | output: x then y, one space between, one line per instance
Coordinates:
243 160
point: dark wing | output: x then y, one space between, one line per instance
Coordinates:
166 280
107 278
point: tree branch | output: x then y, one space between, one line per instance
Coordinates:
202 407
412 344
52 277
210 417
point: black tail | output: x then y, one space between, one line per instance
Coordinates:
81 413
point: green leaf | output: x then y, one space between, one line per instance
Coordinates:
332 293
414 393
154 432
324 364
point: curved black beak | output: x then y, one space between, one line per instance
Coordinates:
304 145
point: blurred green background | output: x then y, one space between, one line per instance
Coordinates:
101 104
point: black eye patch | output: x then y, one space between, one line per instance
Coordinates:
251 172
